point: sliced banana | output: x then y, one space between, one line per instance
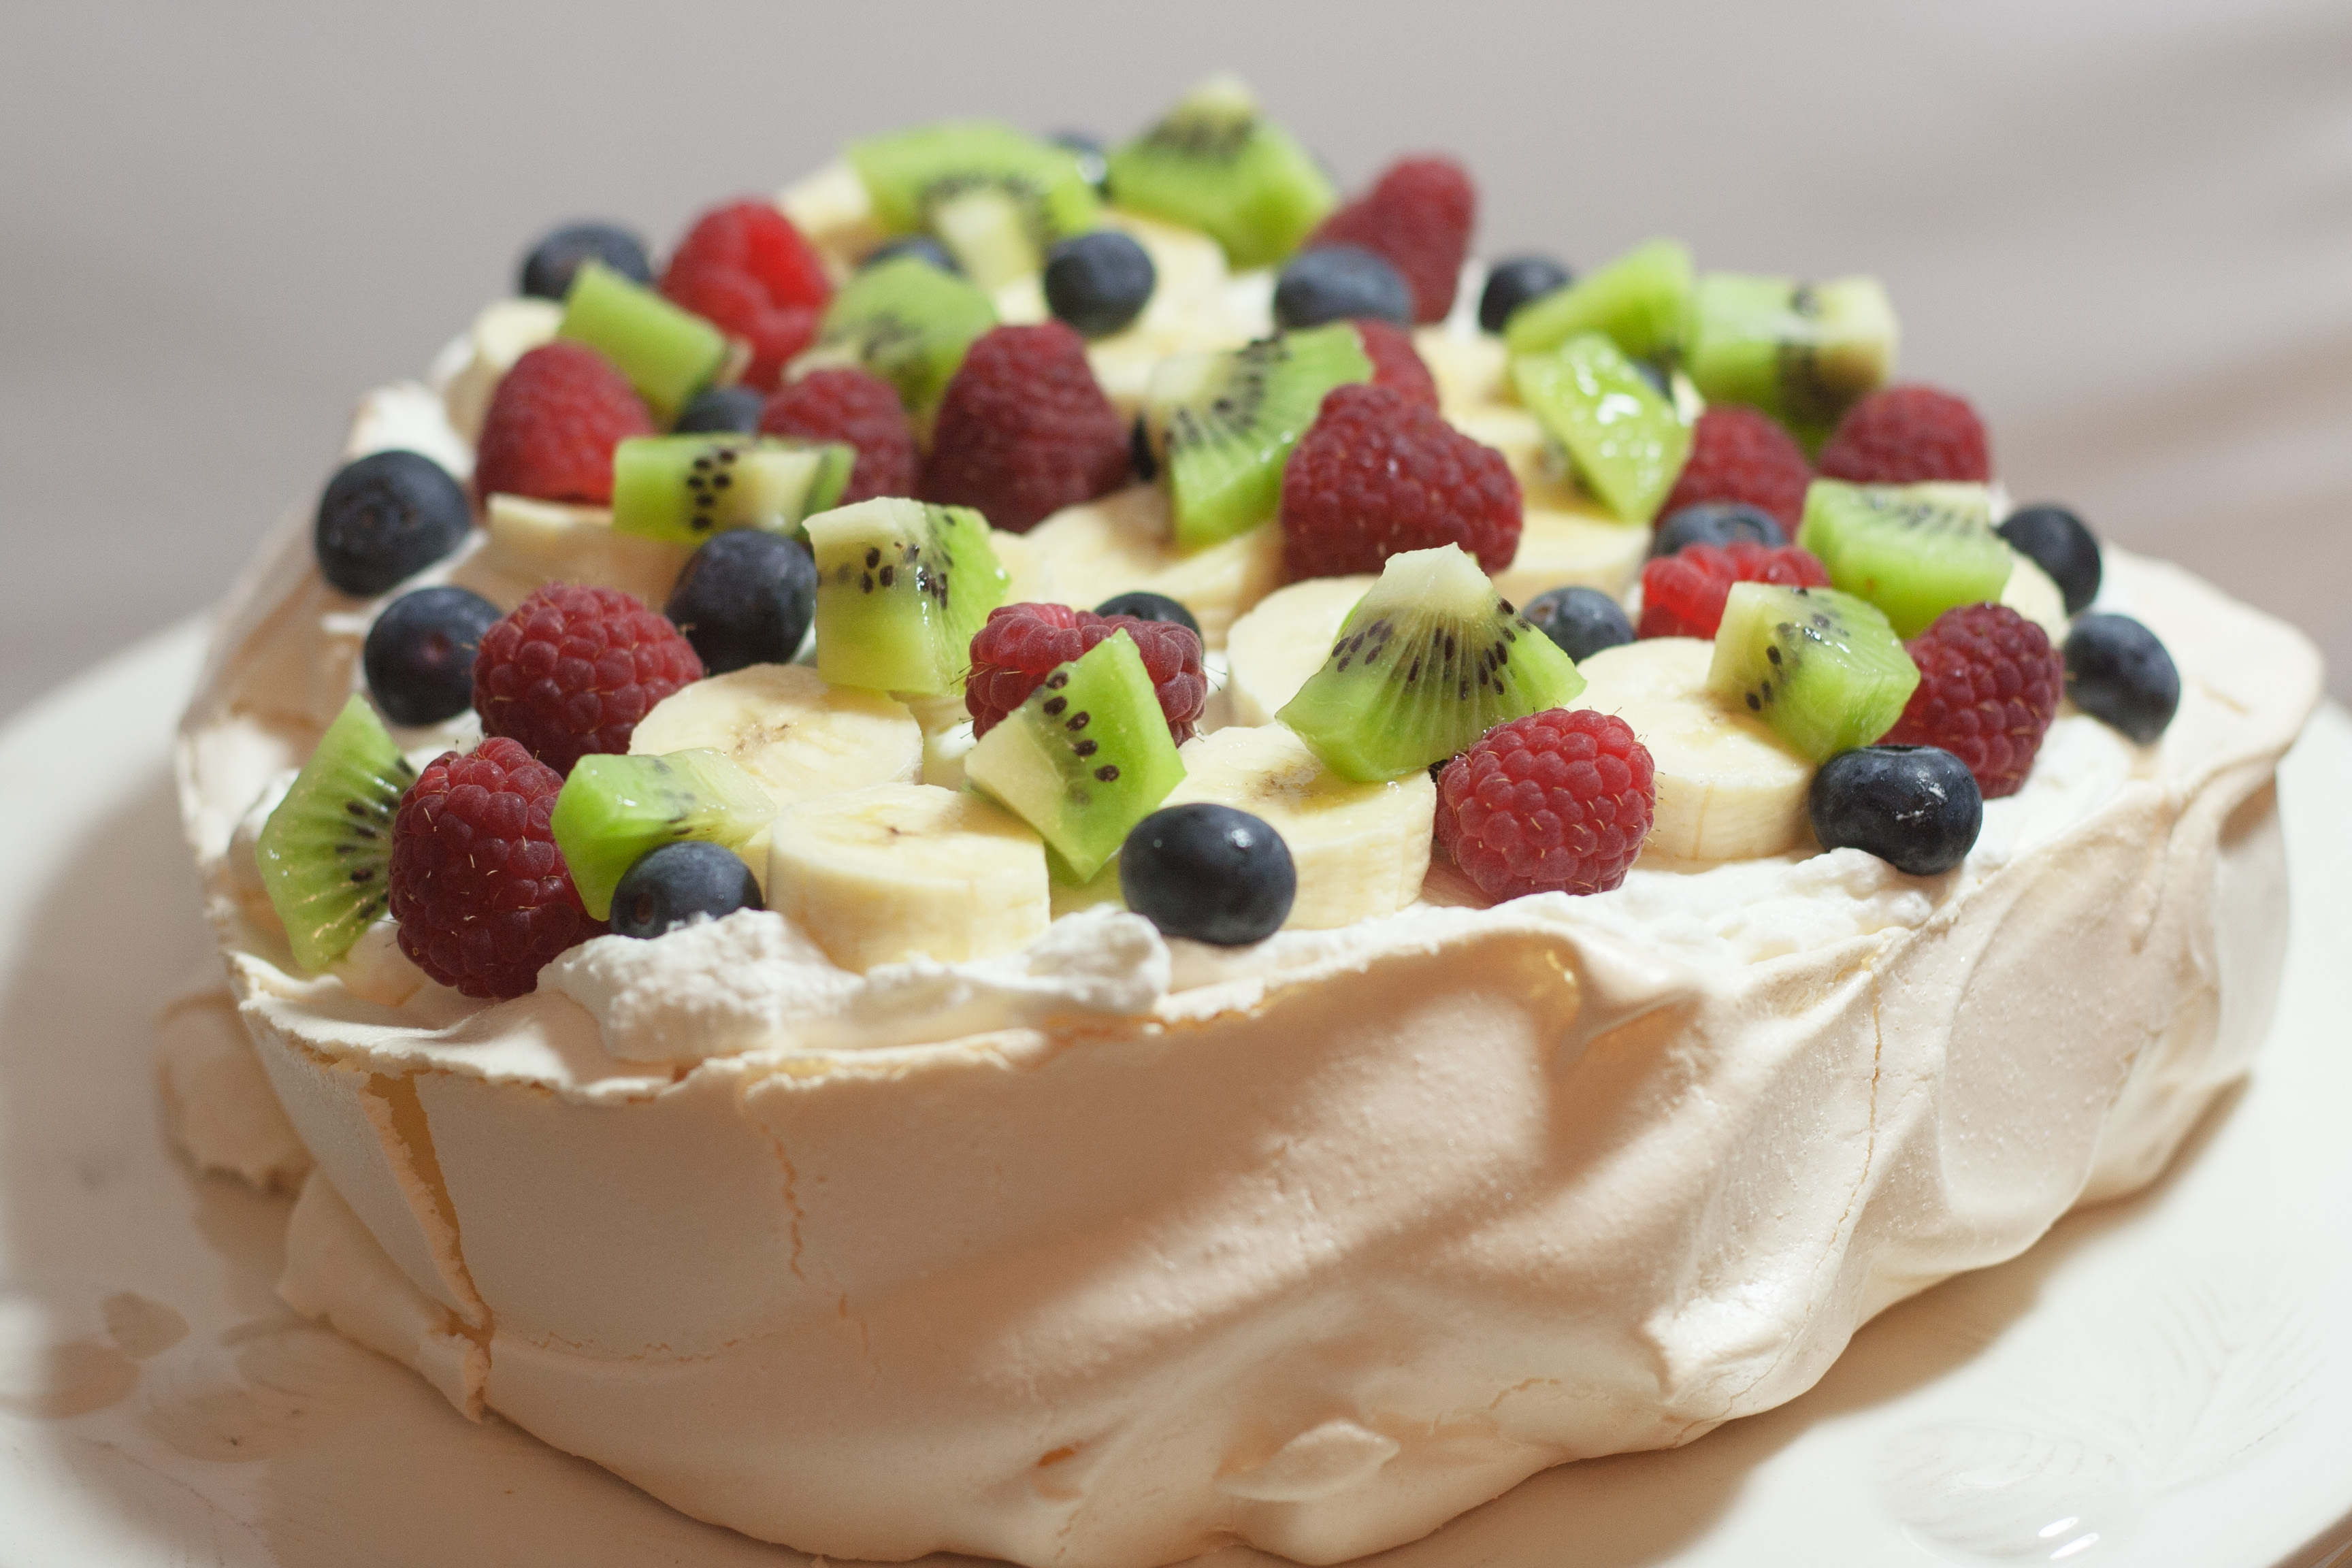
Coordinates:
1030 577
1560 549
1121 543
504 332
899 872
531 543
1187 312
834 213
1471 369
1271 651
2031 593
1729 788
1360 850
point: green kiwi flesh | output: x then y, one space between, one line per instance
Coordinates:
1913 551
901 587
614 810
1803 352
907 322
668 354
1215 163
1626 441
684 489
998 198
1822 667
326 852
1429 660
1640 299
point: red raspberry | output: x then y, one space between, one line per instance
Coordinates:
1682 595
1743 455
1418 217
1024 429
480 890
1396 361
850 405
1021 644
1377 474
1988 686
1907 435
574 669
1557 802
745 268
553 424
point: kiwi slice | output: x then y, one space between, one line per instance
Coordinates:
1215 163
684 489
907 322
326 852
1913 551
614 810
1822 667
668 354
1221 424
1640 299
1084 758
1626 439
1800 351
997 197
900 589
1429 660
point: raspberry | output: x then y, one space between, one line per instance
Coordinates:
1417 217
1025 430
745 268
1021 644
1396 361
1988 686
481 893
1906 436
853 406
553 424
1377 474
1557 802
1743 455
1682 595
574 669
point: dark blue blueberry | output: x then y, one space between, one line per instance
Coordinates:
386 516
1146 605
745 598
1582 621
2057 541
1208 872
1519 280
721 411
1094 159
548 270
1338 283
1098 282
419 655
678 884
921 247
2118 670
1718 523
1139 455
1915 807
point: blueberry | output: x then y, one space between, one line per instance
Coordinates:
1915 807
721 410
1146 605
1094 159
1208 872
2118 670
745 598
2056 541
1139 455
1098 282
547 271
1717 523
1521 281
1337 282
921 247
1582 621
678 884
419 655
386 516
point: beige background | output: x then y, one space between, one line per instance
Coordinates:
2125 230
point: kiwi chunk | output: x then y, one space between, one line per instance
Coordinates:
900 589
614 810
1224 423
684 489
1640 299
1429 660
1822 667
1626 441
907 322
1084 758
1215 163
668 354
997 197
326 851
1803 352
1913 551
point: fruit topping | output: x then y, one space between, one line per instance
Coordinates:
1988 686
1907 435
900 589
1582 621
387 516
323 853
2119 672
1396 363
996 196
419 654
921 247
1639 300
480 890
2058 542
1142 604
553 424
1743 455
614 810
1624 438
1337 282
1803 352
746 268
573 668
907 322
1379 474
686 489
1914 551
679 885
780 723
1557 802
668 354
1022 644
1915 808
1417 217
1208 873
1515 281
745 598
556 259
1092 154
1098 282
1025 430
1822 667
721 411
1717 523
845 405
1683 594
1215 165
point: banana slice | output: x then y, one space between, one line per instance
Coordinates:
1471 369
897 871
1559 548
1271 651
532 542
2031 593
1361 849
1121 542
1729 788
1030 578
504 331
1188 310
833 213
